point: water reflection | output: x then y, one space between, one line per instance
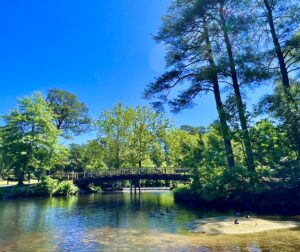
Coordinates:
119 222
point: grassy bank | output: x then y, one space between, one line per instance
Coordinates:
47 187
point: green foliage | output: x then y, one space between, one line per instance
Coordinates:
61 160
29 138
132 136
66 188
86 157
286 111
214 151
93 156
71 115
212 182
75 158
148 132
47 186
270 144
182 148
114 130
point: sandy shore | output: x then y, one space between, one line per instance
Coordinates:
225 225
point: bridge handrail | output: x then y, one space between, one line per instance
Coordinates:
126 171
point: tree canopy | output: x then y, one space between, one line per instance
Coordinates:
29 138
71 116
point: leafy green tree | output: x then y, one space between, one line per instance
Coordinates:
71 115
157 154
270 145
132 136
182 147
30 139
86 157
194 130
148 131
75 158
114 129
277 106
59 162
214 151
93 156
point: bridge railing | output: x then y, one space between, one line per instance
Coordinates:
126 171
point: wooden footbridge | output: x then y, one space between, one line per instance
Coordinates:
83 179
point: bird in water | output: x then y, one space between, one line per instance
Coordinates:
236 221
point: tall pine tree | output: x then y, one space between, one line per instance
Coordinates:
191 60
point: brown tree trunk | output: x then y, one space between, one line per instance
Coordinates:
293 117
238 97
218 100
278 50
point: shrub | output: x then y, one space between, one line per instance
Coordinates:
47 186
66 188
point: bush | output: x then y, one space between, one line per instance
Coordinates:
47 186
66 188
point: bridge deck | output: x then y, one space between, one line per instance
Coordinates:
166 173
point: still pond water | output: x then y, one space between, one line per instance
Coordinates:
121 222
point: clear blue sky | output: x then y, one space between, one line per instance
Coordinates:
101 50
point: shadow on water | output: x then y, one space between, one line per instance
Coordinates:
150 221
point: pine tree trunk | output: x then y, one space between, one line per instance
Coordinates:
219 104
238 97
278 50
293 118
